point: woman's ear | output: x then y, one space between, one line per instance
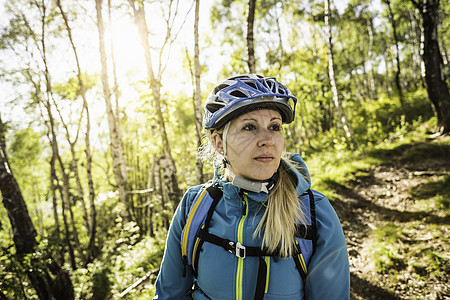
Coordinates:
217 142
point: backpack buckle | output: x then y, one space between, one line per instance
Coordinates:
238 250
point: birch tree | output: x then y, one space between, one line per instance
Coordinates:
331 73
197 94
250 38
116 145
138 8
436 85
92 223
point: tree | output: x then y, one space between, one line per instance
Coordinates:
197 95
250 38
45 275
167 162
92 224
437 88
397 51
116 145
337 104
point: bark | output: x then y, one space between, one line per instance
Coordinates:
171 183
197 96
160 191
92 223
437 88
66 227
92 251
65 194
74 163
337 104
53 180
150 197
80 190
114 71
373 90
397 52
46 277
250 38
280 40
47 103
116 145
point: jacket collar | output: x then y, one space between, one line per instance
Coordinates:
298 170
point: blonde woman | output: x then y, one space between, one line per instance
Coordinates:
267 235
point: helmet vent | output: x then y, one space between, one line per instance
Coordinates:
220 87
251 84
239 94
213 107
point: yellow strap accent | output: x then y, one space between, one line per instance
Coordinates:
302 263
267 259
240 266
188 223
194 252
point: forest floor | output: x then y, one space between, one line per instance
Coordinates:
396 219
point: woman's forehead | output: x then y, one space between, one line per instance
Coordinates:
258 114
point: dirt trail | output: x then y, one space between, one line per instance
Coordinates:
382 196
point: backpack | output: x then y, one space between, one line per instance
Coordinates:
195 233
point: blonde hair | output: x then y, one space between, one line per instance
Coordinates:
283 213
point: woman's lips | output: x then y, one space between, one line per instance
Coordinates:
264 158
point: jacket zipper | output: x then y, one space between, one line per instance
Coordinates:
240 239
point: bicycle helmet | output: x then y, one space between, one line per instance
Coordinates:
241 94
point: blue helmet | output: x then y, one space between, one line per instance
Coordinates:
241 94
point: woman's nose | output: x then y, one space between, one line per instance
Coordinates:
265 138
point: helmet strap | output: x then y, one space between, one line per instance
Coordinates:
253 186
224 138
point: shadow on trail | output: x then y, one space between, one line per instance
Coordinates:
414 152
363 289
347 209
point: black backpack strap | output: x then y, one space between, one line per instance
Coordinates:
300 263
261 279
312 208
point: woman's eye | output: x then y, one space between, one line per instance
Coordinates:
275 127
249 127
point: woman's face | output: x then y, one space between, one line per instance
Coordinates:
255 142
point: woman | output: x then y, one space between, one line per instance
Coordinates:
258 208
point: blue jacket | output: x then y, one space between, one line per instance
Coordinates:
221 276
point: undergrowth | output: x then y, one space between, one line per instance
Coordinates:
407 254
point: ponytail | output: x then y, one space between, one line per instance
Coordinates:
283 213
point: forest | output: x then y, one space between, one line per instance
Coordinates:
101 107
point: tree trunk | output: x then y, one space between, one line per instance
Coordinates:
46 277
250 38
155 86
397 53
118 159
150 198
80 191
67 238
197 96
437 88
47 103
373 90
91 252
337 104
53 181
76 173
64 191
